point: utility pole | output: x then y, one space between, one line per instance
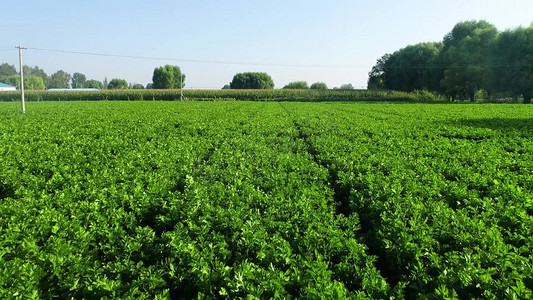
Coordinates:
181 86
21 79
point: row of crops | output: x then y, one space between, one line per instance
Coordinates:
213 95
181 200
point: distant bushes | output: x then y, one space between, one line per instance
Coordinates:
298 85
252 80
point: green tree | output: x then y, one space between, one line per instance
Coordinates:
31 82
7 70
137 86
59 80
319 86
226 87
95 84
13 80
35 71
79 81
465 54
118 84
168 77
347 86
407 68
252 80
376 77
511 68
297 85
435 73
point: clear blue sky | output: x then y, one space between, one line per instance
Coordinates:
336 41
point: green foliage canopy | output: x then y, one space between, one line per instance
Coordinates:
79 81
319 86
376 77
252 80
347 86
7 70
59 80
473 59
407 67
92 83
465 54
35 71
511 60
31 82
118 84
13 80
297 85
168 77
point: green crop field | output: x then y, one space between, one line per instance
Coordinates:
259 200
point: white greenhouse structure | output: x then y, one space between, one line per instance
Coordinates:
6 87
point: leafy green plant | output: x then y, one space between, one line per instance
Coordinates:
131 199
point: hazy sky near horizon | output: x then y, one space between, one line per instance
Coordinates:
335 42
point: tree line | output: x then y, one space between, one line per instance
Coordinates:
261 80
164 77
36 78
473 58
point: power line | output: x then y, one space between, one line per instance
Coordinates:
204 61
348 66
453 66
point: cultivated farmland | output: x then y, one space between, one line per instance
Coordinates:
183 200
